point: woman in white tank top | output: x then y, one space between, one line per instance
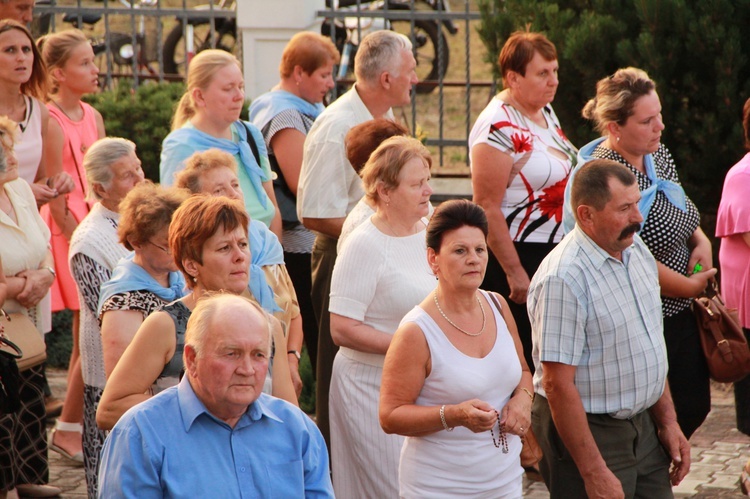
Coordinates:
455 381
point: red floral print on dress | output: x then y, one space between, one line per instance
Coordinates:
561 134
521 143
551 202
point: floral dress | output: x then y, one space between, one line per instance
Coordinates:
542 161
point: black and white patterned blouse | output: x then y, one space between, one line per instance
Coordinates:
141 301
667 229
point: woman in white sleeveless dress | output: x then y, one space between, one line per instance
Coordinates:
455 381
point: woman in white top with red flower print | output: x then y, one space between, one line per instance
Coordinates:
520 164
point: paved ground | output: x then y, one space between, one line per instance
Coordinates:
718 453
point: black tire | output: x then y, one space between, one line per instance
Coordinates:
225 38
427 36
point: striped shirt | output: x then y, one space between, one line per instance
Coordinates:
602 315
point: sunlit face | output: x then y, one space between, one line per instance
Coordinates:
80 74
126 174
224 96
17 10
613 226
403 79
226 260
462 258
411 199
641 133
16 57
228 375
154 254
221 181
538 86
314 87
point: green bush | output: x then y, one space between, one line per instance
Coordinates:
307 397
60 340
143 116
695 51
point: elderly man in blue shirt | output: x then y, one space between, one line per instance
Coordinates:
216 434
604 415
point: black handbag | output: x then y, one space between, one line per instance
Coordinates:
285 198
10 378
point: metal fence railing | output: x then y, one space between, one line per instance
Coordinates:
143 39
455 82
153 39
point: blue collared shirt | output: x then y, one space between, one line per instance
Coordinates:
603 315
171 446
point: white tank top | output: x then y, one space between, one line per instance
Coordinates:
462 463
28 146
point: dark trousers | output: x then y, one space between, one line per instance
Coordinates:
531 255
630 447
688 371
742 399
322 262
298 266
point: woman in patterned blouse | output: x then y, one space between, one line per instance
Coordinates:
148 278
520 163
627 112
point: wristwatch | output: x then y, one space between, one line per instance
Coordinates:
51 270
295 353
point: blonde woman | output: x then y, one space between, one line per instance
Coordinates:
208 116
73 127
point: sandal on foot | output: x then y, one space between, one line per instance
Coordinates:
76 458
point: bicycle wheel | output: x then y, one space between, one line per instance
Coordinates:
427 35
225 38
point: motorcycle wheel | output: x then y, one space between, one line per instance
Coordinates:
225 38
426 40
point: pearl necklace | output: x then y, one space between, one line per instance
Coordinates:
484 317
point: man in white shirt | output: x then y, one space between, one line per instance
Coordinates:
328 186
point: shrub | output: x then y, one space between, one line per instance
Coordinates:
143 116
60 340
695 51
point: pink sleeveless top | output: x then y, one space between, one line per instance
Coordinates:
79 135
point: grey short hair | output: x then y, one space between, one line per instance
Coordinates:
99 159
211 305
3 157
379 51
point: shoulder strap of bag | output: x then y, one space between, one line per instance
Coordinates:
496 302
252 144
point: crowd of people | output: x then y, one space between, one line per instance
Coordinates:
554 307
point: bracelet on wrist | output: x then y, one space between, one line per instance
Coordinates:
442 419
531 395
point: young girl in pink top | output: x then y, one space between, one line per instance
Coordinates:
73 127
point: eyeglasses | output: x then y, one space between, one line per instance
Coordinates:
165 250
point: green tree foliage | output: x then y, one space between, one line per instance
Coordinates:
695 51
143 116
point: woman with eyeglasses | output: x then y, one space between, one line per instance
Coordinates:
147 278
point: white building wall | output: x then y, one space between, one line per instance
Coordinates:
267 26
